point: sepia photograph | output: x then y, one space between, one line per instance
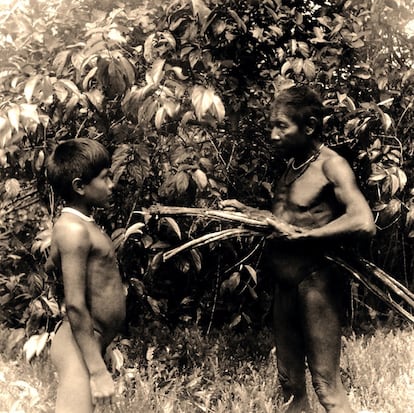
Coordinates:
207 206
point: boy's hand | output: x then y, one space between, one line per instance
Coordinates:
102 387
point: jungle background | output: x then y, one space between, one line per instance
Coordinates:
179 92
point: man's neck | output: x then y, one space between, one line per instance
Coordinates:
306 153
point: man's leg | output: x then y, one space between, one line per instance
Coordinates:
290 349
73 393
320 301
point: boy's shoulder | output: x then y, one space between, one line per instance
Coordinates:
68 230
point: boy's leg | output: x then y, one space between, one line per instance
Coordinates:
73 393
290 348
320 300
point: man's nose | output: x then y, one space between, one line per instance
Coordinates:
275 136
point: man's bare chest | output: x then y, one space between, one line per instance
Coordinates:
303 190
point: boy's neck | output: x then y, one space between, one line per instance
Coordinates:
83 209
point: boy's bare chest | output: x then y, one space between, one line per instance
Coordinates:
102 251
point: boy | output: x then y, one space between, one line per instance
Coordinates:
83 255
318 196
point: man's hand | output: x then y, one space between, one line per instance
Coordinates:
284 231
233 205
102 387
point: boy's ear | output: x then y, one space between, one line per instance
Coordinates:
311 125
78 186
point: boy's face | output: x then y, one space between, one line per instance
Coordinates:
286 134
98 191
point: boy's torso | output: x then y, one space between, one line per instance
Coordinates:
104 292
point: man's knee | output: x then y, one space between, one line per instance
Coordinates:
292 384
331 393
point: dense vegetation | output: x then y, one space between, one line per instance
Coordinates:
179 92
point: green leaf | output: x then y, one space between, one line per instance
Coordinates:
309 69
179 72
118 238
160 117
285 67
201 10
173 225
134 229
154 76
252 272
219 111
196 256
88 77
5 132
200 179
181 181
362 74
202 98
14 114
116 36
116 79
236 320
60 61
96 97
297 65
231 283
128 69
30 87
238 20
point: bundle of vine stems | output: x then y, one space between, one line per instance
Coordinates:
253 223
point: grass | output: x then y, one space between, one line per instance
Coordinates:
184 371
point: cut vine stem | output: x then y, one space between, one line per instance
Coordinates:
253 223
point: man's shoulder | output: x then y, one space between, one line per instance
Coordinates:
331 159
334 165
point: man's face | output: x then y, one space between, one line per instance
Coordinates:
286 135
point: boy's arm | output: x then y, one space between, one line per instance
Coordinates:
74 246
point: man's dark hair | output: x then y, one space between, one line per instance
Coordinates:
301 103
75 158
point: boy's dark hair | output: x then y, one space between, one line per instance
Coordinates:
75 158
301 103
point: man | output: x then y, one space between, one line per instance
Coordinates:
319 199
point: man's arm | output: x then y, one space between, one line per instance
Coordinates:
357 218
74 246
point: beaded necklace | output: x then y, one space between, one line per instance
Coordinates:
301 168
312 158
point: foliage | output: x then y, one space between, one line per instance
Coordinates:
187 371
179 92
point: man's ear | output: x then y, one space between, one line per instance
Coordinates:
78 186
311 126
